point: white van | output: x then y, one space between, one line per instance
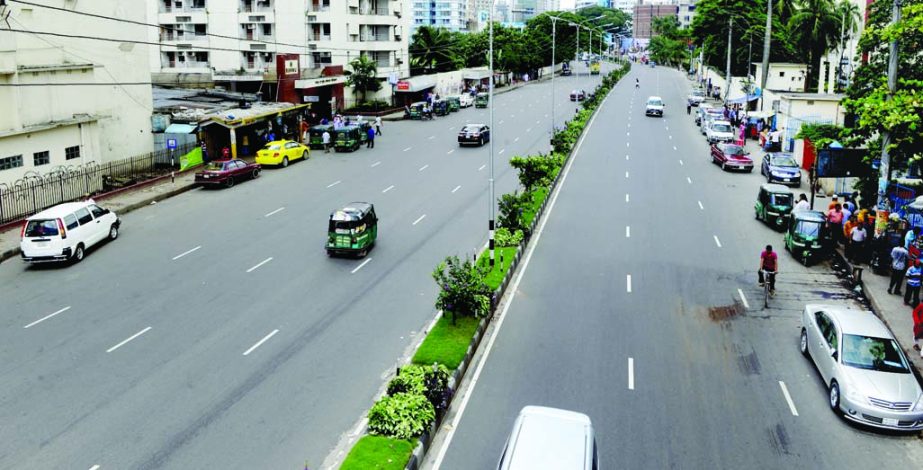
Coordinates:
550 438
64 232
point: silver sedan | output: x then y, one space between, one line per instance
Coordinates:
868 377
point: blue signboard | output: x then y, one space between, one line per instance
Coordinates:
171 144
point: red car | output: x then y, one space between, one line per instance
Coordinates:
226 172
731 157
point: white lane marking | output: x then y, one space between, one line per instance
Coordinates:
361 265
516 139
407 149
701 206
456 189
501 152
415 222
501 122
674 147
482 167
376 164
260 342
389 188
537 122
529 130
689 180
626 156
628 284
128 339
627 231
94 467
432 137
423 167
626 197
681 162
668 127
334 184
546 115
260 264
186 253
626 174
717 242
450 152
36 322
628 134
670 136
513 288
274 212
631 373
788 398
743 299
628 144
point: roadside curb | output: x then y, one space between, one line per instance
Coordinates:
13 252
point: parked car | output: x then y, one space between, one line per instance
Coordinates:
868 378
577 95
465 100
711 114
477 134
731 157
64 232
226 172
696 97
781 168
654 106
545 437
700 113
719 131
281 152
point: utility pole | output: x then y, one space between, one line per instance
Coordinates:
884 171
766 39
554 35
490 100
727 83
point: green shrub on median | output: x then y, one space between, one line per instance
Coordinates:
447 343
379 453
503 259
402 415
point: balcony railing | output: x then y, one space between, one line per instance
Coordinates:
182 9
374 37
318 37
183 65
255 7
258 37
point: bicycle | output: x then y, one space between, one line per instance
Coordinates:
768 279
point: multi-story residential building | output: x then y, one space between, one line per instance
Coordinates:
523 10
643 17
70 119
685 13
451 15
594 3
548 5
626 6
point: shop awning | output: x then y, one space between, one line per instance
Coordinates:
476 74
179 129
414 84
745 98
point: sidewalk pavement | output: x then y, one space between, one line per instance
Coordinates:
120 202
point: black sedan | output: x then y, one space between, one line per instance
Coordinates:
474 134
781 168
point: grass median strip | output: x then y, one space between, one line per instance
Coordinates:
379 452
538 196
503 258
447 343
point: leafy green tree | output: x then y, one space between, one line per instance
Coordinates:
815 30
670 45
363 77
433 50
462 288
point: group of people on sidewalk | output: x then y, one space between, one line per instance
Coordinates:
906 270
371 133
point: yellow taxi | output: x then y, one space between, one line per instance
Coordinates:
281 152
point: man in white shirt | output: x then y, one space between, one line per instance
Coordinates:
856 244
802 204
326 140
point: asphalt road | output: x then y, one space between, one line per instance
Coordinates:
216 333
639 307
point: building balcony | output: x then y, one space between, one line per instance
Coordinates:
256 17
256 7
174 39
183 9
199 16
185 66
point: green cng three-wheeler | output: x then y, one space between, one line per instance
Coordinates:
316 135
454 103
352 230
416 110
808 236
480 101
440 107
348 138
773 205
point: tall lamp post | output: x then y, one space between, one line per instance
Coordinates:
490 100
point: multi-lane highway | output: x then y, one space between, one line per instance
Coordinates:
216 333
639 307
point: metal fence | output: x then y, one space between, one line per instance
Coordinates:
35 192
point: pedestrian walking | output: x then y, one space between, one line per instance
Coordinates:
802 204
899 256
378 125
688 108
918 327
325 138
371 142
856 247
914 273
835 219
910 237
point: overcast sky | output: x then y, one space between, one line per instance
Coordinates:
567 3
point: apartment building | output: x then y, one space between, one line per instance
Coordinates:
626 6
451 15
70 120
685 13
643 18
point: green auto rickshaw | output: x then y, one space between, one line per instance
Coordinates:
773 205
440 107
364 127
348 138
316 135
454 103
352 230
808 236
480 101
416 110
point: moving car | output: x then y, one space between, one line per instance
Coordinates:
696 97
868 378
594 68
64 232
226 172
731 157
654 106
545 437
565 69
477 134
719 131
808 236
577 95
280 152
465 100
781 168
352 230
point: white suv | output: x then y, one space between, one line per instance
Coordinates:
654 106
64 232
719 131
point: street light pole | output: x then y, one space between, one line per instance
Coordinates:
554 35
727 83
884 170
764 74
490 100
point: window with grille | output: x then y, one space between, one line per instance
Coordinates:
41 158
10 162
71 153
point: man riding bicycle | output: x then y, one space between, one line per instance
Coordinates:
637 83
769 262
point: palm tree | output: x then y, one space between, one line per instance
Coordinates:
849 24
363 77
815 28
432 50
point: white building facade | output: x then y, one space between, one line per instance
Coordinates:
73 101
448 14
